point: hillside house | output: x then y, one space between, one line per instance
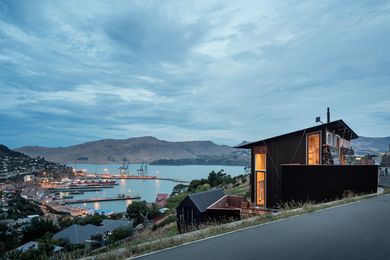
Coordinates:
385 165
312 164
77 234
209 206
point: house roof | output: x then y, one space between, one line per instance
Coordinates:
111 224
29 245
385 160
204 199
35 245
339 127
77 234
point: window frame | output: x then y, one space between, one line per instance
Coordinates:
319 132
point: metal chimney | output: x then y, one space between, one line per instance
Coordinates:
328 115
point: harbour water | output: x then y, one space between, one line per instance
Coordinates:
147 189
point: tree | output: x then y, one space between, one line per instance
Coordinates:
37 229
173 201
8 238
121 233
180 188
134 211
95 219
219 178
139 211
204 187
194 184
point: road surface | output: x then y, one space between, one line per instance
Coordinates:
359 230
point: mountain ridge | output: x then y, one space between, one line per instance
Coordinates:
149 149
135 150
371 145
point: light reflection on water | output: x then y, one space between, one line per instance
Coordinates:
147 189
96 205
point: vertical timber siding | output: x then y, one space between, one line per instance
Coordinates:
327 182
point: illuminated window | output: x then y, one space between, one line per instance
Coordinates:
260 188
260 170
260 162
313 149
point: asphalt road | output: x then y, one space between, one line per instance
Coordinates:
359 230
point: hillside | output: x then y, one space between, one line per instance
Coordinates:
152 150
13 164
5 151
371 145
137 150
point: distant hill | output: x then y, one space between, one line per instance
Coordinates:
371 145
16 164
138 150
5 151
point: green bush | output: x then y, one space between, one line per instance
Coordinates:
139 210
121 233
168 220
38 228
173 201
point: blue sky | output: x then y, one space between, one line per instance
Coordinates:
226 71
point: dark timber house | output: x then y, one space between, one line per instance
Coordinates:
206 206
312 164
192 210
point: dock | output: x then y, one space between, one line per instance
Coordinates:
64 202
131 177
70 190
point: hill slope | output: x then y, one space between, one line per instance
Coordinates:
5 151
135 150
371 145
14 164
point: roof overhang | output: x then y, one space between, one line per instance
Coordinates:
339 127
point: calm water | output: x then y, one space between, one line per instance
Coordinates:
147 189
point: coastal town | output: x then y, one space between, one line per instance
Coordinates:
38 206
210 130
36 193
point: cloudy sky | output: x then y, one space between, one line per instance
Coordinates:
226 71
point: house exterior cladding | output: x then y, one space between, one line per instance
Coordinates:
315 164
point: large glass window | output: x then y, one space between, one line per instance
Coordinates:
260 188
260 162
260 171
313 149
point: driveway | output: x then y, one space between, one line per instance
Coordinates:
360 230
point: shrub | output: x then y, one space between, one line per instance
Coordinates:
139 210
121 233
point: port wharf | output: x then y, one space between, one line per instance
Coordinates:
131 177
84 189
63 202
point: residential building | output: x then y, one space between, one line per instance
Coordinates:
311 164
385 165
77 234
208 206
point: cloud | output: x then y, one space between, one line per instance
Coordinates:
224 71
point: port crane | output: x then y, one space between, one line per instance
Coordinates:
124 169
143 170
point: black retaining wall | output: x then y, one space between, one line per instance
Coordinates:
326 182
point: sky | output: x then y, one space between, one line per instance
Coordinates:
225 71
